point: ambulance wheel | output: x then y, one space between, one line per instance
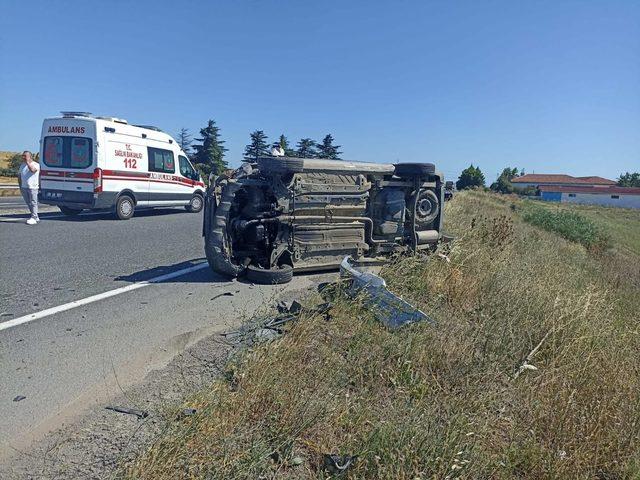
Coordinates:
125 207
196 204
271 276
70 211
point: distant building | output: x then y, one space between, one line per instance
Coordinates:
537 180
610 196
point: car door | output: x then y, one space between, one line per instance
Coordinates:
163 181
189 175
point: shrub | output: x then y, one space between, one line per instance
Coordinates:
8 172
569 225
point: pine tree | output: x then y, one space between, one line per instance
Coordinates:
258 146
306 148
209 155
288 151
185 141
327 149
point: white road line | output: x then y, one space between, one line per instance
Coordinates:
94 298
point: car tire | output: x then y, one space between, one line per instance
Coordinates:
70 212
271 276
280 164
125 207
412 169
196 204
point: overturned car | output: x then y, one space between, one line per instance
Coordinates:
281 213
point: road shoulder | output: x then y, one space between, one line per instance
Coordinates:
94 443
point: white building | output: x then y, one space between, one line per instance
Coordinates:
625 197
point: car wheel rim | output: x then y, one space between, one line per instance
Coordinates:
196 203
126 208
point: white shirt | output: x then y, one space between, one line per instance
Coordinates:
29 179
277 152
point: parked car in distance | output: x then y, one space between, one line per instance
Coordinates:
280 213
104 163
449 188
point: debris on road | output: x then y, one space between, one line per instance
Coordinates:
338 464
188 412
271 327
225 294
129 411
390 309
19 398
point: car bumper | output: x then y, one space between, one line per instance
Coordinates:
79 200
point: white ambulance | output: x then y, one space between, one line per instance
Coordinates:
92 163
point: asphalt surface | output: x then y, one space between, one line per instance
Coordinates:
10 202
70 360
66 258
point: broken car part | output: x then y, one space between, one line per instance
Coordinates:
389 308
129 411
338 464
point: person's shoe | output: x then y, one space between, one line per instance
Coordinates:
32 221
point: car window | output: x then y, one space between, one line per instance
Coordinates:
161 160
53 151
68 152
186 169
80 152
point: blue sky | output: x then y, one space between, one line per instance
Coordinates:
549 86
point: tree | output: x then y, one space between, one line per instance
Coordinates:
327 149
209 155
629 180
258 146
503 182
288 151
15 161
470 177
306 148
185 141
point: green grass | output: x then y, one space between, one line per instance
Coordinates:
568 224
621 224
441 401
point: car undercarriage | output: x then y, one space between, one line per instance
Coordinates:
278 214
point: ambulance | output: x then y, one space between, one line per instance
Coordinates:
93 163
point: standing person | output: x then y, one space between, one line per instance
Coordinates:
29 185
277 150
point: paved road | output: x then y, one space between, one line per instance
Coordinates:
11 203
66 361
66 258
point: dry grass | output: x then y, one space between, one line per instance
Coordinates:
4 158
444 401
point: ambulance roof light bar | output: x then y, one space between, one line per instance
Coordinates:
150 127
76 114
115 120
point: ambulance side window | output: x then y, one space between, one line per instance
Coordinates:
186 170
161 160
